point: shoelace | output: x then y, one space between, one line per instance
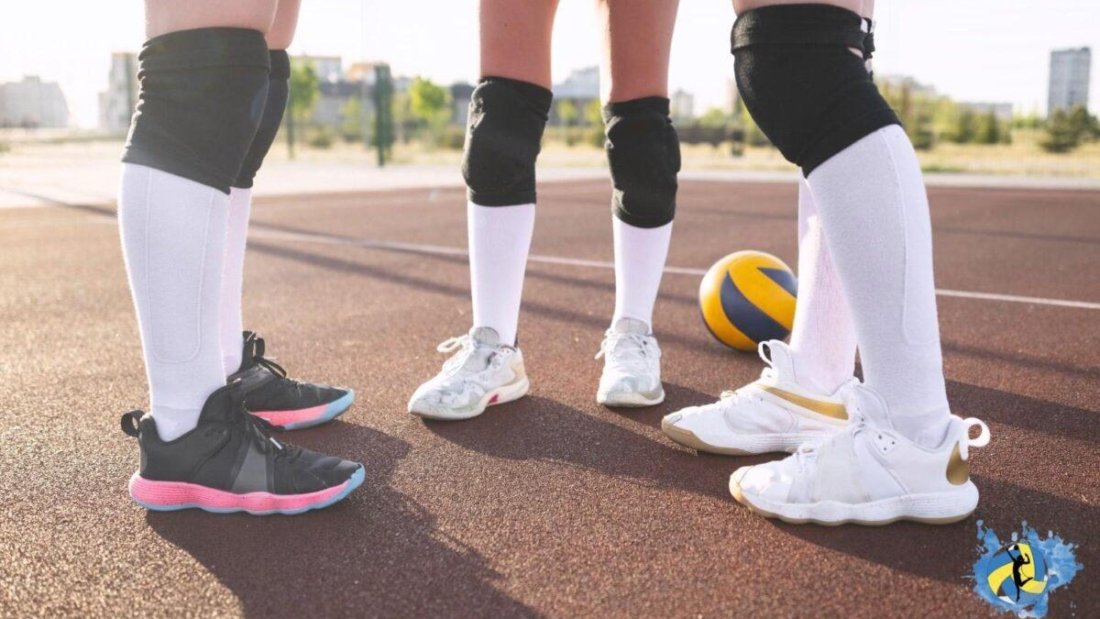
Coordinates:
464 344
636 354
258 347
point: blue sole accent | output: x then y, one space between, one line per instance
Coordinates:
353 482
332 411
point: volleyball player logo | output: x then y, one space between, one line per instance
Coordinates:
1018 575
748 297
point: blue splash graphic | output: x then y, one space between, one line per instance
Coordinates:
1019 575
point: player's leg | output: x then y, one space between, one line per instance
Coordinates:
508 112
285 403
903 455
644 156
204 77
799 396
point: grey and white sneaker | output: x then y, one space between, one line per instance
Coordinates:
481 373
632 366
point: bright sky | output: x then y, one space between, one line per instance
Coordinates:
973 50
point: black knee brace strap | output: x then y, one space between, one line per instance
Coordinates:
503 139
802 84
202 96
644 155
278 90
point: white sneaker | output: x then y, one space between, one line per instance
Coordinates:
632 366
868 474
770 414
483 372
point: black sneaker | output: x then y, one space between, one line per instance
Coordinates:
283 402
228 463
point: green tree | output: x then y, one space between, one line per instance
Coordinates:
353 121
305 89
965 127
593 118
431 104
1066 130
593 113
988 129
714 117
568 113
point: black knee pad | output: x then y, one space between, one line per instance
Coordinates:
801 82
202 96
503 139
644 155
278 91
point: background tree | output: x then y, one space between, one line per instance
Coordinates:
431 104
988 129
568 113
305 88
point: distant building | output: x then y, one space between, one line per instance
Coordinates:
33 104
461 92
328 68
904 83
1069 79
682 105
581 88
1002 111
116 104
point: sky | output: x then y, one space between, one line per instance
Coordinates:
971 50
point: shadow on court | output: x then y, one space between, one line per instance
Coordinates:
377 554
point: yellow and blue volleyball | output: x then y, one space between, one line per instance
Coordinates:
748 297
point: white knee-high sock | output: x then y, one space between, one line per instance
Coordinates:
823 339
640 255
240 206
874 212
500 238
173 238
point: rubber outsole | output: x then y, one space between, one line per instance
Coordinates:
348 487
739 496
687 438
630 400
331 411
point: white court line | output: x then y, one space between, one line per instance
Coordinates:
442 250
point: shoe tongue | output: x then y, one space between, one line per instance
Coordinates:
487 336
220 404
778 355
630 325
870 405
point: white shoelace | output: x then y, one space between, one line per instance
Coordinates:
638 353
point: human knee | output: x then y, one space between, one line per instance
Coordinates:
278 91
806 90
503 139
203 95
643 152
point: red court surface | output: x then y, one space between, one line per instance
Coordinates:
551 505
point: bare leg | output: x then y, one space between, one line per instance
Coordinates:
636 47
282 27
162 16
515 39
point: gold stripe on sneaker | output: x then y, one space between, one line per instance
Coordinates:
829 409
958 471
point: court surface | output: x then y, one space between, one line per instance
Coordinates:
551 505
